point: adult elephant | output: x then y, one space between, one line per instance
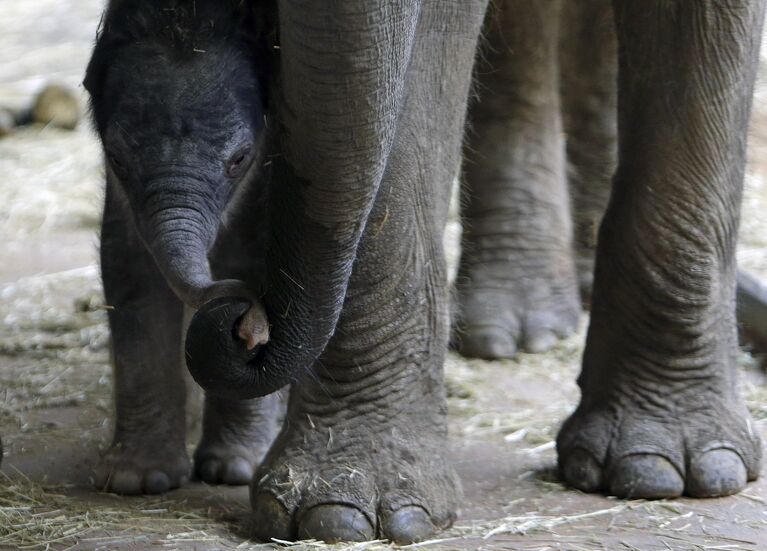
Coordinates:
370 101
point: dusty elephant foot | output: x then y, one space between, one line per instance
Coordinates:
145 468
705 448
496 322
236 437
336 486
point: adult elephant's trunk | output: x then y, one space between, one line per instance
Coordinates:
342 73
309 264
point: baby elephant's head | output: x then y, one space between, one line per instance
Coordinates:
178 98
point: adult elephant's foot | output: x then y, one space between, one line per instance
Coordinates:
142 465
369 478
236 437
704 449
658 430
515 304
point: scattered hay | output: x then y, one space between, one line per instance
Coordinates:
529 523
37 517
483 411
34 517
54 350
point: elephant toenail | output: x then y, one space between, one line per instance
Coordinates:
334 523
540 341
270 518
408 525
156 482
237 472
581 470
718 472
645 476
125 482
209 470
488 343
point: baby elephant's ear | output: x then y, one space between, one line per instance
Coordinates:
94 74
108 37
108 41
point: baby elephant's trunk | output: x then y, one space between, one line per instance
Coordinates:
230 326
178 223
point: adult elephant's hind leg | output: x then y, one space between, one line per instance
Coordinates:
362 454
660 414
589 82
516 287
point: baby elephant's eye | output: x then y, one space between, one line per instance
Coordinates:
238 162
117 165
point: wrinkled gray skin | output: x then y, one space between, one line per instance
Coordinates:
369 114
516 285
588 64
659 414
548 72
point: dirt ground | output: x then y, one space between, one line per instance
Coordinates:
55 383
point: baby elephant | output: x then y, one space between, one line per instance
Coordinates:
284 169
179 97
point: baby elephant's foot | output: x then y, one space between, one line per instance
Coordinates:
354 488
625 450
152 467
236 436
226 463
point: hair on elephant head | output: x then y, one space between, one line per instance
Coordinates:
179 99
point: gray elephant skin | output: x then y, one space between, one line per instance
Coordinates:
284 169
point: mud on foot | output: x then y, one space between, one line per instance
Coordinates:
354 486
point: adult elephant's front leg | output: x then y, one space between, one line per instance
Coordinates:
362 451
660 413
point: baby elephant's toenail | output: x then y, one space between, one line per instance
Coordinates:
156 482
